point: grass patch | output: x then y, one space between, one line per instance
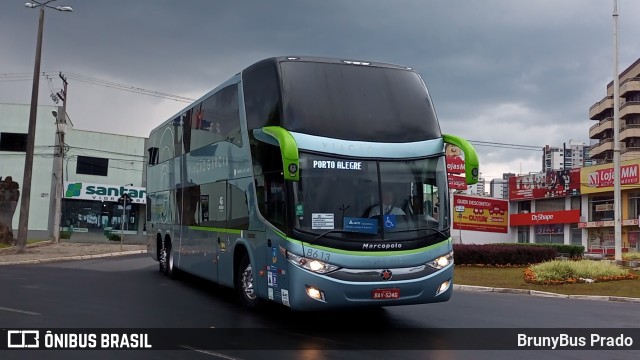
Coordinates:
3 246
631 256
559 272
514 278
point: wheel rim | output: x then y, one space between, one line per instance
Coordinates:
247 282
163 259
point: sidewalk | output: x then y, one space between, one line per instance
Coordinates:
68 249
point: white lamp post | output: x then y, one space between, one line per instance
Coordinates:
617 211
124 196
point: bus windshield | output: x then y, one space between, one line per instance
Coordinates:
356 199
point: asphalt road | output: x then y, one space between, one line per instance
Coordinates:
128 292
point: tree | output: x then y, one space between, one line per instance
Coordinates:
9 195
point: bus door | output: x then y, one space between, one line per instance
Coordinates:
218 211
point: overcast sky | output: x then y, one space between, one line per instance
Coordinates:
504 71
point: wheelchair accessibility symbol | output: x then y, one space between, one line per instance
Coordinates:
389 221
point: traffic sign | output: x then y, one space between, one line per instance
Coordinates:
125 199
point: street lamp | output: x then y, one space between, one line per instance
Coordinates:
23 224
124 196
617 208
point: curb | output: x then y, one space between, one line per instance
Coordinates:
472 288
74 257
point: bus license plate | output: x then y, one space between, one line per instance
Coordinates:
385 294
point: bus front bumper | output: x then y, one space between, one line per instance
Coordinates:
310 291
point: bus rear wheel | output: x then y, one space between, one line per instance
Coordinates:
162 260
166 261
245 283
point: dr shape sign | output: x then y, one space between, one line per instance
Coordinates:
125 199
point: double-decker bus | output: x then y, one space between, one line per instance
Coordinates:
275 184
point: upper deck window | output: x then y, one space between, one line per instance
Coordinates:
357 102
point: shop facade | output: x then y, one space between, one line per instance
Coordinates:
94 208
597 186
109 163
575 206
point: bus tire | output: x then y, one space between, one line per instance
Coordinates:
245 283
170 269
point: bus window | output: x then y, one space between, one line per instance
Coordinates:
271 199
262 97
217 118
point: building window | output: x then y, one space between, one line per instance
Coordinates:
634 205
550 205
524 207
576 203
88 165
523 234
13 142
576 235
601 208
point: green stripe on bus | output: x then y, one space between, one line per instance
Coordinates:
370 253
213 229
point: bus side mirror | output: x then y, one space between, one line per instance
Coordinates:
471 165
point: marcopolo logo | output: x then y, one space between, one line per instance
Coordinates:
102 192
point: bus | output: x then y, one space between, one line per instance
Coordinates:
273 184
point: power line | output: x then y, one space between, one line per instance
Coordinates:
506 145
95 81
134 89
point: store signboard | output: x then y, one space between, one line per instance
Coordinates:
600 178
481 214
558 183
545 218
103 192
606 223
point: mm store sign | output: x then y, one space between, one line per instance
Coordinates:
599 178
103 192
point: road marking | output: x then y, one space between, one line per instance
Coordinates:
19 311
222 356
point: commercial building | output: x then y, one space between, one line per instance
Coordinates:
576 207
499 188
94 171
569 156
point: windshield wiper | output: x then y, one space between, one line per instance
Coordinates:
330 232
441 232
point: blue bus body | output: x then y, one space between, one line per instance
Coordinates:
275 183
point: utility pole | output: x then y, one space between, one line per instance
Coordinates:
61 123
23 224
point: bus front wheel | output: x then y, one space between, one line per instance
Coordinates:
245 283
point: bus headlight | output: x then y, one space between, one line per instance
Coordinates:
442 261
314 265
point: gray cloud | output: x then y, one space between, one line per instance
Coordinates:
498 70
